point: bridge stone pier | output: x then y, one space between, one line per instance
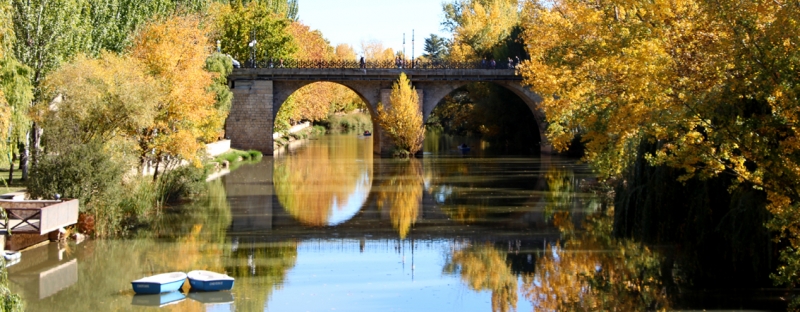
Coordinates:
258 94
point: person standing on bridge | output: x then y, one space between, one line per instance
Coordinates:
361 63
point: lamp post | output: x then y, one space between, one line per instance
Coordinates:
412 48
252 46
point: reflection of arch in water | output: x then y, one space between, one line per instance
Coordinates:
532 206
324 185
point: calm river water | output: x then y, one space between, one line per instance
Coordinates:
329 227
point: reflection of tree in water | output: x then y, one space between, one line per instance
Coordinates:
264 265
320 178
402 193
594 272
483 267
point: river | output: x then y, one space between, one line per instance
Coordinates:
330 227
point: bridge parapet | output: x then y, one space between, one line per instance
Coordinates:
344 74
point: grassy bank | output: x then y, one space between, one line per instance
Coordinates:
306 133
353 122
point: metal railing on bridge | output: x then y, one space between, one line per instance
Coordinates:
383 64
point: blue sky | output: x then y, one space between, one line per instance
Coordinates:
351 21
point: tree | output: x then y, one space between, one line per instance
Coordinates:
344 52
402 118
113 21
174 52
16 90
236 25
221 66
480 24
709 83
47 33
374 50
109 99
435 47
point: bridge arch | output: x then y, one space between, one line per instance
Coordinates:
435 93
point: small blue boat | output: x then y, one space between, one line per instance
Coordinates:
160 283
463 148
367 133
209 281
157 300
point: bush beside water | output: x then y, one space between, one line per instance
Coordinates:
348 123
111 201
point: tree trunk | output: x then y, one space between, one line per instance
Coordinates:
24 152
37 142
11 168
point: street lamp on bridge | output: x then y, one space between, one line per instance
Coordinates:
252 46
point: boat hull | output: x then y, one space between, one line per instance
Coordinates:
156 288
211 285
161 283
209 281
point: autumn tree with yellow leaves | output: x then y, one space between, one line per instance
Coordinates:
478 26
174 53
401 119
711 84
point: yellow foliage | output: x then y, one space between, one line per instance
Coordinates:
317 181
482 267
345 52
712 84
402 193
174 51
402 119
480 24
375 51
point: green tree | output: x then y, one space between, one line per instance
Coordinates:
47 33
221 65
435 47
16 91
237 25
401 119
113 21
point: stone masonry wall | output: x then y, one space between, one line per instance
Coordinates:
250 122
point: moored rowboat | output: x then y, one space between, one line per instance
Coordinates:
209 281
160 283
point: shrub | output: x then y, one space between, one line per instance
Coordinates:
181 182
82 171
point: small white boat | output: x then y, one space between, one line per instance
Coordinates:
160 283
209 281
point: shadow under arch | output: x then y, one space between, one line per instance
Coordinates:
439 91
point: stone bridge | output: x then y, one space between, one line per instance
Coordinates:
260 92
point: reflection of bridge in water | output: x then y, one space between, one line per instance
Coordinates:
257 212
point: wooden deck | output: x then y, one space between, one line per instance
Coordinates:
38 216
